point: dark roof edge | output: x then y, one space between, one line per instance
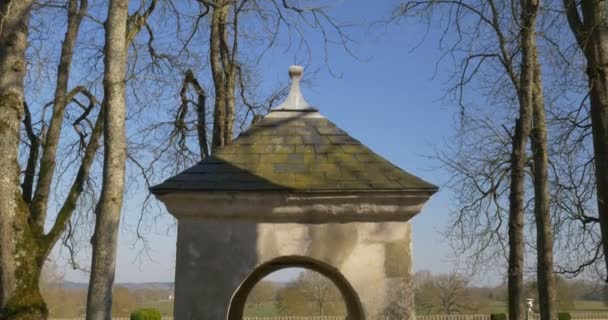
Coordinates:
156 191
310 109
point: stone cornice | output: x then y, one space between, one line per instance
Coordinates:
316 207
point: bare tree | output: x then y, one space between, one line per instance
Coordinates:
508 30
480 159
201 124
312 293
451 288
99 298
120 30
13 42
223 69
319 290
591 32
542 206
229 39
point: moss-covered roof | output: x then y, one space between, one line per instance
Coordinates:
294 151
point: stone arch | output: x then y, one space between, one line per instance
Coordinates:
353 305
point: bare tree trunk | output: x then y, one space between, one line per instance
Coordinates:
201 125
23 247
229 64
99 298
201 109
219 16
223 67
598 82
13 42
542 209
591 32
13 212
516 224
518 163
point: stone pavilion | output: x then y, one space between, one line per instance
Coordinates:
294 190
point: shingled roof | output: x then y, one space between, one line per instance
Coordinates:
294 148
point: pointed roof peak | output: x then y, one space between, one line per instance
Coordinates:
295 100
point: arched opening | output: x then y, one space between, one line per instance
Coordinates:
295 292
354 311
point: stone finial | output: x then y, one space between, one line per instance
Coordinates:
295 100
296 71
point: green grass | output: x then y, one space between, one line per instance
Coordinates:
267 309
262 310
498 307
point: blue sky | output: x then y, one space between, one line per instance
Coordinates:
392 101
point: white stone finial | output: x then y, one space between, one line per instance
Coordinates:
295 100
296 71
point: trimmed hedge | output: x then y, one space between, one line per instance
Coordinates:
146 314
498 316
564 316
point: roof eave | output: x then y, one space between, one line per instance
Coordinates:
297 206
159 190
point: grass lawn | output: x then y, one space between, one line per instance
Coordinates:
498 307
261 310
164 306
579 306
590 306
267 309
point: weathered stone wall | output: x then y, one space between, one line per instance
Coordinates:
215 257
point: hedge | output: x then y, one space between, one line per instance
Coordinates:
146 314
498 316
